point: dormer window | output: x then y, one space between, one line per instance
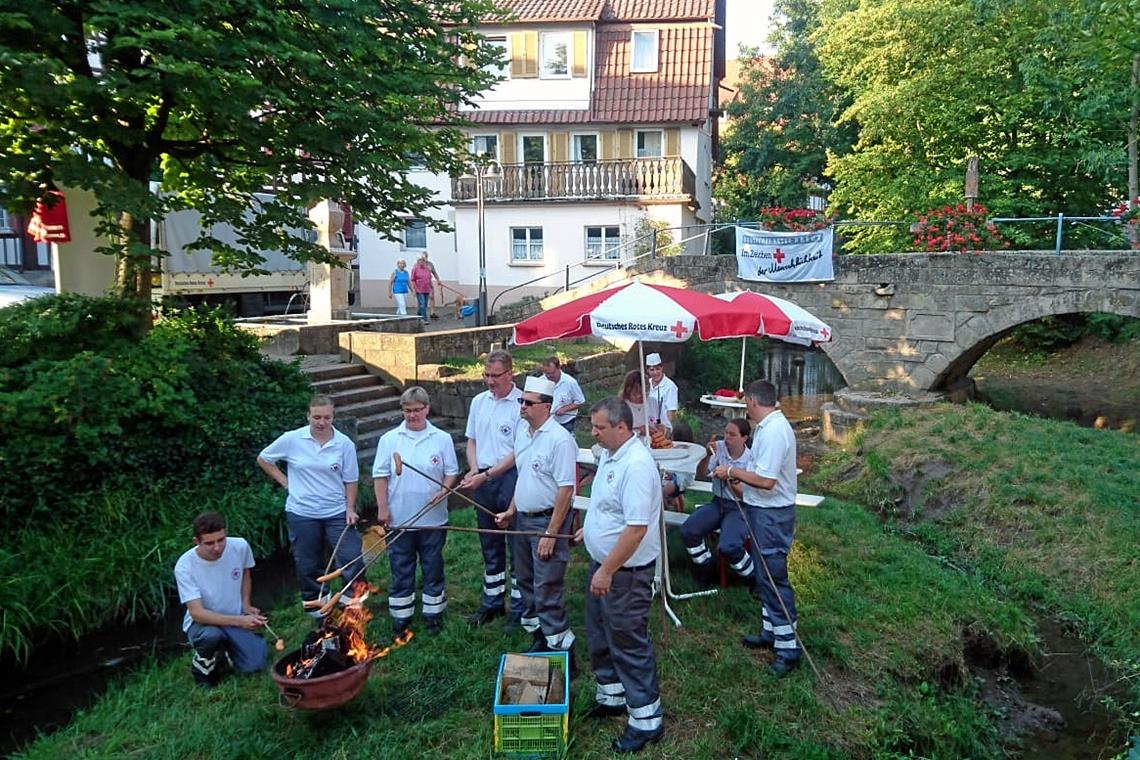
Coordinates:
645 49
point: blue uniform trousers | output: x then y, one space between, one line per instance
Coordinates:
774 529
541 580
427 546
496 496
723 515
308 537
246 649
621 654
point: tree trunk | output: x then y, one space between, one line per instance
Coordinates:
134 265
1133 162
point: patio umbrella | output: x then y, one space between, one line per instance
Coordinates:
637 311
779 319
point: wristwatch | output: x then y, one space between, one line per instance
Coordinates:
486 471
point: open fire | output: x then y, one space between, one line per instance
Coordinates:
339 643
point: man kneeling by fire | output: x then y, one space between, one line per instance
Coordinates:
214 583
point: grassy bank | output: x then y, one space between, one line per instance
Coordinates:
1039 511
885 623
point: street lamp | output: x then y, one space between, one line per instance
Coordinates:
479 169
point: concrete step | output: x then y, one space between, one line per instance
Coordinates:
348 398
338 384
382 414
325 372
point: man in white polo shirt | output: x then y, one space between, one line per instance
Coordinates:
214 583
568 394
661 398
491 424
547 460
770 503
623 539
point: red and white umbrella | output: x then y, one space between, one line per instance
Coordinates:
637 311
779 319
782 319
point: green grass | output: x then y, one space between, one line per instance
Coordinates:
883 620
1039 511
526 358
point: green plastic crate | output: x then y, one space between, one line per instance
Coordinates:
533 731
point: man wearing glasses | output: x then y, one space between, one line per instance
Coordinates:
491 424
547 458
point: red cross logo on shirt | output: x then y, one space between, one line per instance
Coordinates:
679 330
778 255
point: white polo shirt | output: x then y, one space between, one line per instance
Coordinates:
773 456
317 474
430 450
491 422
217 584
721 456
661 399
626 491
547 460
567 391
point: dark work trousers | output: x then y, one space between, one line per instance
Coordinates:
309 536
569 425
246 649
541 580
723 515
427 546
774 529
621 654
496 496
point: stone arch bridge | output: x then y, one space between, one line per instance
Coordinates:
915 323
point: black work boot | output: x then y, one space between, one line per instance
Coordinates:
484 616
539 643
205 671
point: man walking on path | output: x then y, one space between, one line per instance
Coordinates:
438 288
214 583
547 461
623 541
770 503
491 424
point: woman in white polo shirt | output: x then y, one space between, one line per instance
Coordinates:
322 480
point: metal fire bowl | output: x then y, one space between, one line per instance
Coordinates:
317 693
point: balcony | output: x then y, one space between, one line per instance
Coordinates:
632 178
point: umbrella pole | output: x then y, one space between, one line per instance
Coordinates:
743 349
644 388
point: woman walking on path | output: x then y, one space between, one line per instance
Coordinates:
399 285
421 283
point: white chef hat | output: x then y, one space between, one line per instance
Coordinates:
539 385
652 360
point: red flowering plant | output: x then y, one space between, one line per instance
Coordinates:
779 219
953 228
1128 212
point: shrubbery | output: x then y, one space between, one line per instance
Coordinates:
705 366
112 437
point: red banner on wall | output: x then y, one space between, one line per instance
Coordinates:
49 221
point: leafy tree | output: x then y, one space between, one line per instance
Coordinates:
216 101
933 82
783 124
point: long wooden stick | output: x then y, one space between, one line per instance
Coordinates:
503 532
400 464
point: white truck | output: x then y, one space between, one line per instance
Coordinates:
190 277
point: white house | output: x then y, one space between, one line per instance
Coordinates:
606 116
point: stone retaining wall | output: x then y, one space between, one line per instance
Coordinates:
299 338
398 358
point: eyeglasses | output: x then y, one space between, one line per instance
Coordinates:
528 402
490 375
414 409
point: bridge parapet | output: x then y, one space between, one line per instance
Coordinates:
916 322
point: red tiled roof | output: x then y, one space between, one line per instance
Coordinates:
658 10
528 117
537 11
677 91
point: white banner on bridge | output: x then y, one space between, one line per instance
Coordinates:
784 256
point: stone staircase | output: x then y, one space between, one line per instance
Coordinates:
372 403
